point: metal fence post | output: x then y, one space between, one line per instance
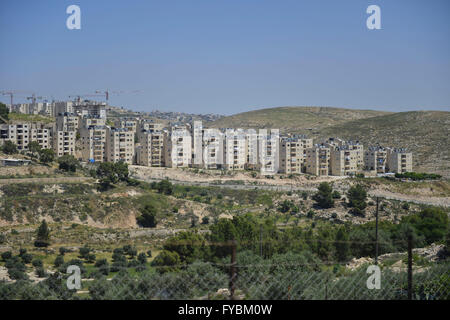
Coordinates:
233 269
410 261
376 233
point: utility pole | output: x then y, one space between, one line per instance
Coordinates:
376 233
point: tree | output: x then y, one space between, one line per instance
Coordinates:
142 258
165 187
166 261
34 147
4 113
59 261
148 217
323 197
357 196
342 245
43 235
9 147
46 155
111 173
68 163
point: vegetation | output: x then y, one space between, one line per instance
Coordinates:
42 235
9 147
68 163
418 176
324 197
357 196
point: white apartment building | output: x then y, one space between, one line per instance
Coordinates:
252 158
197 144
119 145
212 149
88 121
234 149
178 147
268 151
132 124
24 133
63 107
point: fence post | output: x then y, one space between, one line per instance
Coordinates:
376 234
233 269
410 261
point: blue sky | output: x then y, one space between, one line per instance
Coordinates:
230 56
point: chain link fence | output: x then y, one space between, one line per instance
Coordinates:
242 276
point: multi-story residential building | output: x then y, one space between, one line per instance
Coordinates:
234 149
23 133
93 143
119 145
252 150
291 155
212 147
64 142
151 148
67 122
268 151
197 144
87 121
399 160
63 107
130 123
375 159
318 160
343 161
150 125
178 147
90 108
41 135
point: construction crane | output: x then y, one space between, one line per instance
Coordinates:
107 92
12 93
33 98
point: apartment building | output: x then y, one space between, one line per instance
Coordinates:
151 148
19 134
178 147
212 146
399 160
119 145
41 135
252 150
90 108
63 107
150 125
64 142
375 159
132 124
291 155
234 149
91 120
343 161
93 143
67 122
318 160
197 144
268 151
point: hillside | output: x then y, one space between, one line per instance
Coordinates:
294 119
425 133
